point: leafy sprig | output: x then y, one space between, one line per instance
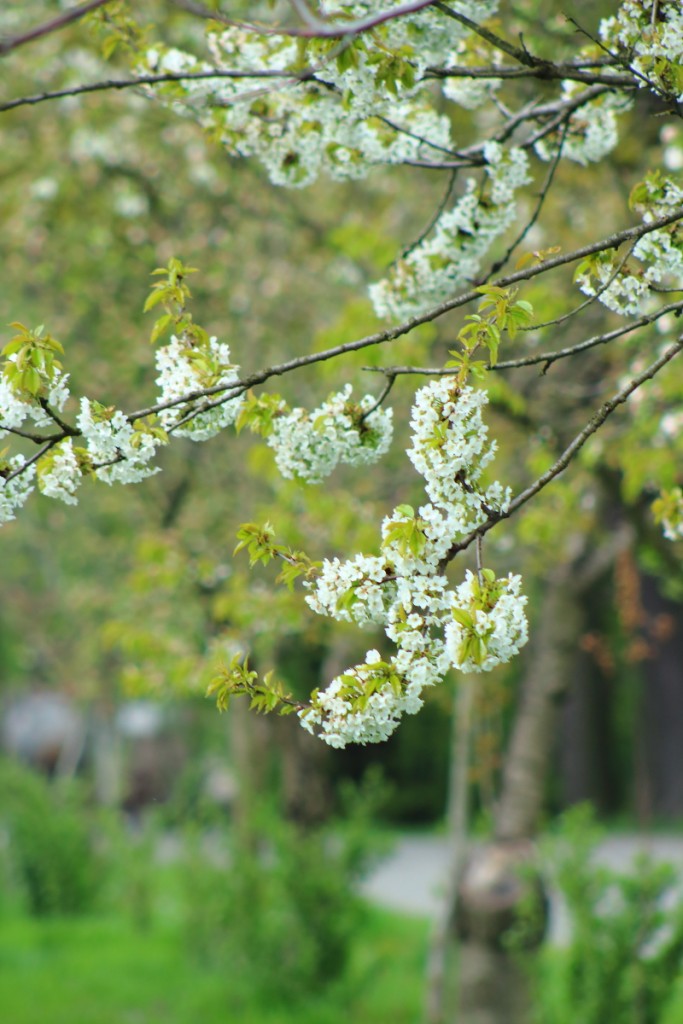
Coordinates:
238 680
31 361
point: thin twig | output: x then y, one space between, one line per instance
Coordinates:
34 458
569 453
548 71
141 80
391 380
66 428
499 264
318 30
544 358
433 221
61 21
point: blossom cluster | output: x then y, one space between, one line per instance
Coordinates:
649 34
119 452
14 492
309 445
452 256
365 105
15 410
185 368
668 510
60 472
481 637
616 286
592 129
623 285
473 627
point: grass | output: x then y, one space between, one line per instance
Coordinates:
102 970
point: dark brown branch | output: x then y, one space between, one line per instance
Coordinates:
541 358
548 71
391 380
61 21
317 28
569 453
131 83
66 428
36 455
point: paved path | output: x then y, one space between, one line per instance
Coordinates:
411 879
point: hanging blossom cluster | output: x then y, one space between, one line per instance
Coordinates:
452 257
473 628
119 451
649 36
186 366
592 131
16 409
309 445
14 492
624 284
367 104
60 472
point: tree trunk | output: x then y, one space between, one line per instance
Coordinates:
548 677
493 986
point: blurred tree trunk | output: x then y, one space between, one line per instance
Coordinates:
492 985
659 722
305 789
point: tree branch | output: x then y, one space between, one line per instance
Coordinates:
61 21
131 83
317 28
570 452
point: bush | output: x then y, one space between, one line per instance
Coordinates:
51 850
626 948
281 914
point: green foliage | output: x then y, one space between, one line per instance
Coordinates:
259 545
173 294
283 916
668 508
257 413
409 535
498 312
627 940
101 971
51 849
34 361
238 680
486 590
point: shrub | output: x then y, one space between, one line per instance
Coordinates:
280 915
626 947
51 850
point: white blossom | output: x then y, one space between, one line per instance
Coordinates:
110 438
362 580
338 719
310 445
592 129
651 39
59 473
185 368
451 446
451 257
14 493
497 631
14 410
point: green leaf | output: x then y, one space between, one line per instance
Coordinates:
463 617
